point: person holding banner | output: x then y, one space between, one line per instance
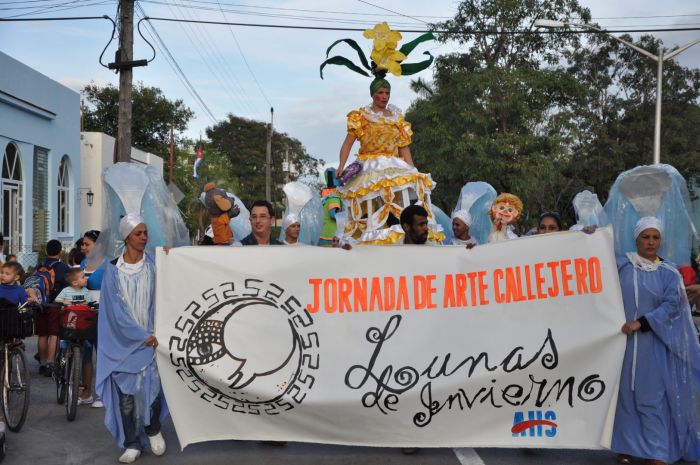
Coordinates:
657 414
127 375
262 216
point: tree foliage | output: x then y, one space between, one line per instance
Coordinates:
242 142
152 115
545 116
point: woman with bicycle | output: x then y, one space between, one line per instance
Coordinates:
93 266
127 375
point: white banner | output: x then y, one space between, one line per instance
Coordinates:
516 344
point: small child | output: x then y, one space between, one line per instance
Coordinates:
77 290
10 290
15 294
11 258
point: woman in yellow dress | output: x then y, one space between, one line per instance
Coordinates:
387 181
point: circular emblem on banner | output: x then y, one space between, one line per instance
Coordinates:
247 347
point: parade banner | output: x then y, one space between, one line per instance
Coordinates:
516 344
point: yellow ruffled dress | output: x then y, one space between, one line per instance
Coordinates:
386 183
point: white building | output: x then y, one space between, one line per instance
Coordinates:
96 154
39 145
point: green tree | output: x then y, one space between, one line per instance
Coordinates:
615 122
242 142
497 111
153 115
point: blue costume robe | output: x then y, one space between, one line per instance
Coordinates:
124 362
657 408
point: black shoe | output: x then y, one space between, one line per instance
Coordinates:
48 370
36 357
42 369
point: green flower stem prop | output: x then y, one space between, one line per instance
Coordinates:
406 68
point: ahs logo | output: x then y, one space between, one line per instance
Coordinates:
535 423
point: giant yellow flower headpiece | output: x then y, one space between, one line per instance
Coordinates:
384 57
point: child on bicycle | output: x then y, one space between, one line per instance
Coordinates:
10 290
14 294
77 290
76 293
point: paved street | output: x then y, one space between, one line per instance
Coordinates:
49 439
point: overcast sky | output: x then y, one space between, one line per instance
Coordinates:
284 62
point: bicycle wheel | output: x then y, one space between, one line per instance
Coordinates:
73 383
15 389
59 374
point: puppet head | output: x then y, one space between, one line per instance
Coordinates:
217 201
505 210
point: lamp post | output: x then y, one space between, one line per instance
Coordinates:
660 58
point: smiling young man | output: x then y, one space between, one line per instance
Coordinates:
262 216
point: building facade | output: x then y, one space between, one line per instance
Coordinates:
96 154
40 149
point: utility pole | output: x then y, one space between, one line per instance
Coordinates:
172 154
288 166
268 159
123 64
126 53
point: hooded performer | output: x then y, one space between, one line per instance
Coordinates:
657 417
127 375
139 215
461 222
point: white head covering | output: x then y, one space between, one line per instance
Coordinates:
646 223
464 216
128 223
289 220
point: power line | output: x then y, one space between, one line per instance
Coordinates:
475 32
289 16
174 65
390 11
353 13
228 70
319 28
397 14
262 92
25 2
216 68
59 7
62 18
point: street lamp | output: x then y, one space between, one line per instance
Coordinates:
660 58
89 195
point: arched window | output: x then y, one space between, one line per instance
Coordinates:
63 195
12 198
11 168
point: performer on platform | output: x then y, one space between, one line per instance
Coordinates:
383 180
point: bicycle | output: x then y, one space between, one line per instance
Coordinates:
16 323
77 324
